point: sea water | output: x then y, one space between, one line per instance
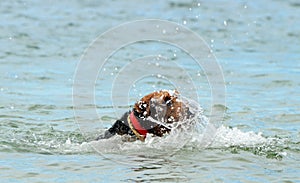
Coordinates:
255 43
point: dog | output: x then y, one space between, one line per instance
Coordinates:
154 114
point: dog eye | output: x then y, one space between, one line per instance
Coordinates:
169 103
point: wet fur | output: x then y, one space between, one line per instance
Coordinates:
162 106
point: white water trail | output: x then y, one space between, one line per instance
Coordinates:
192 133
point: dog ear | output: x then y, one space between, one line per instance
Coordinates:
142 107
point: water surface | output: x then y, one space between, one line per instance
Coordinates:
256 44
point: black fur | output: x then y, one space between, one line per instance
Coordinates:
120 127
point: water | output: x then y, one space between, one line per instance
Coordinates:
41 43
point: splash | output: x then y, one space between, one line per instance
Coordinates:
185 135
190 134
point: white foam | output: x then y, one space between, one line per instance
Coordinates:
193 133
226 137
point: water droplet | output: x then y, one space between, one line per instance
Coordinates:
225 22
112 73
245 6
12 107
158 75
212 41
190 9
184 22
198 4
164 31
197 16
157 26
174 55
283 153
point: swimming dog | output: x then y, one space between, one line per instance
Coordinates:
153 114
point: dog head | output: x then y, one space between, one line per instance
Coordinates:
163 106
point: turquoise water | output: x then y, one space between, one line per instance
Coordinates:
255 43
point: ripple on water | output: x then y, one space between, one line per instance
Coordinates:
19 136
41 106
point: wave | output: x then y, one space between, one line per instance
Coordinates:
199 135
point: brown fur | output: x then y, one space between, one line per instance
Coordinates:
154 112
173 108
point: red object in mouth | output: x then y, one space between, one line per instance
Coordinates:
136 125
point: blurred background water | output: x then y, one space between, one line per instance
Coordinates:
256 44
